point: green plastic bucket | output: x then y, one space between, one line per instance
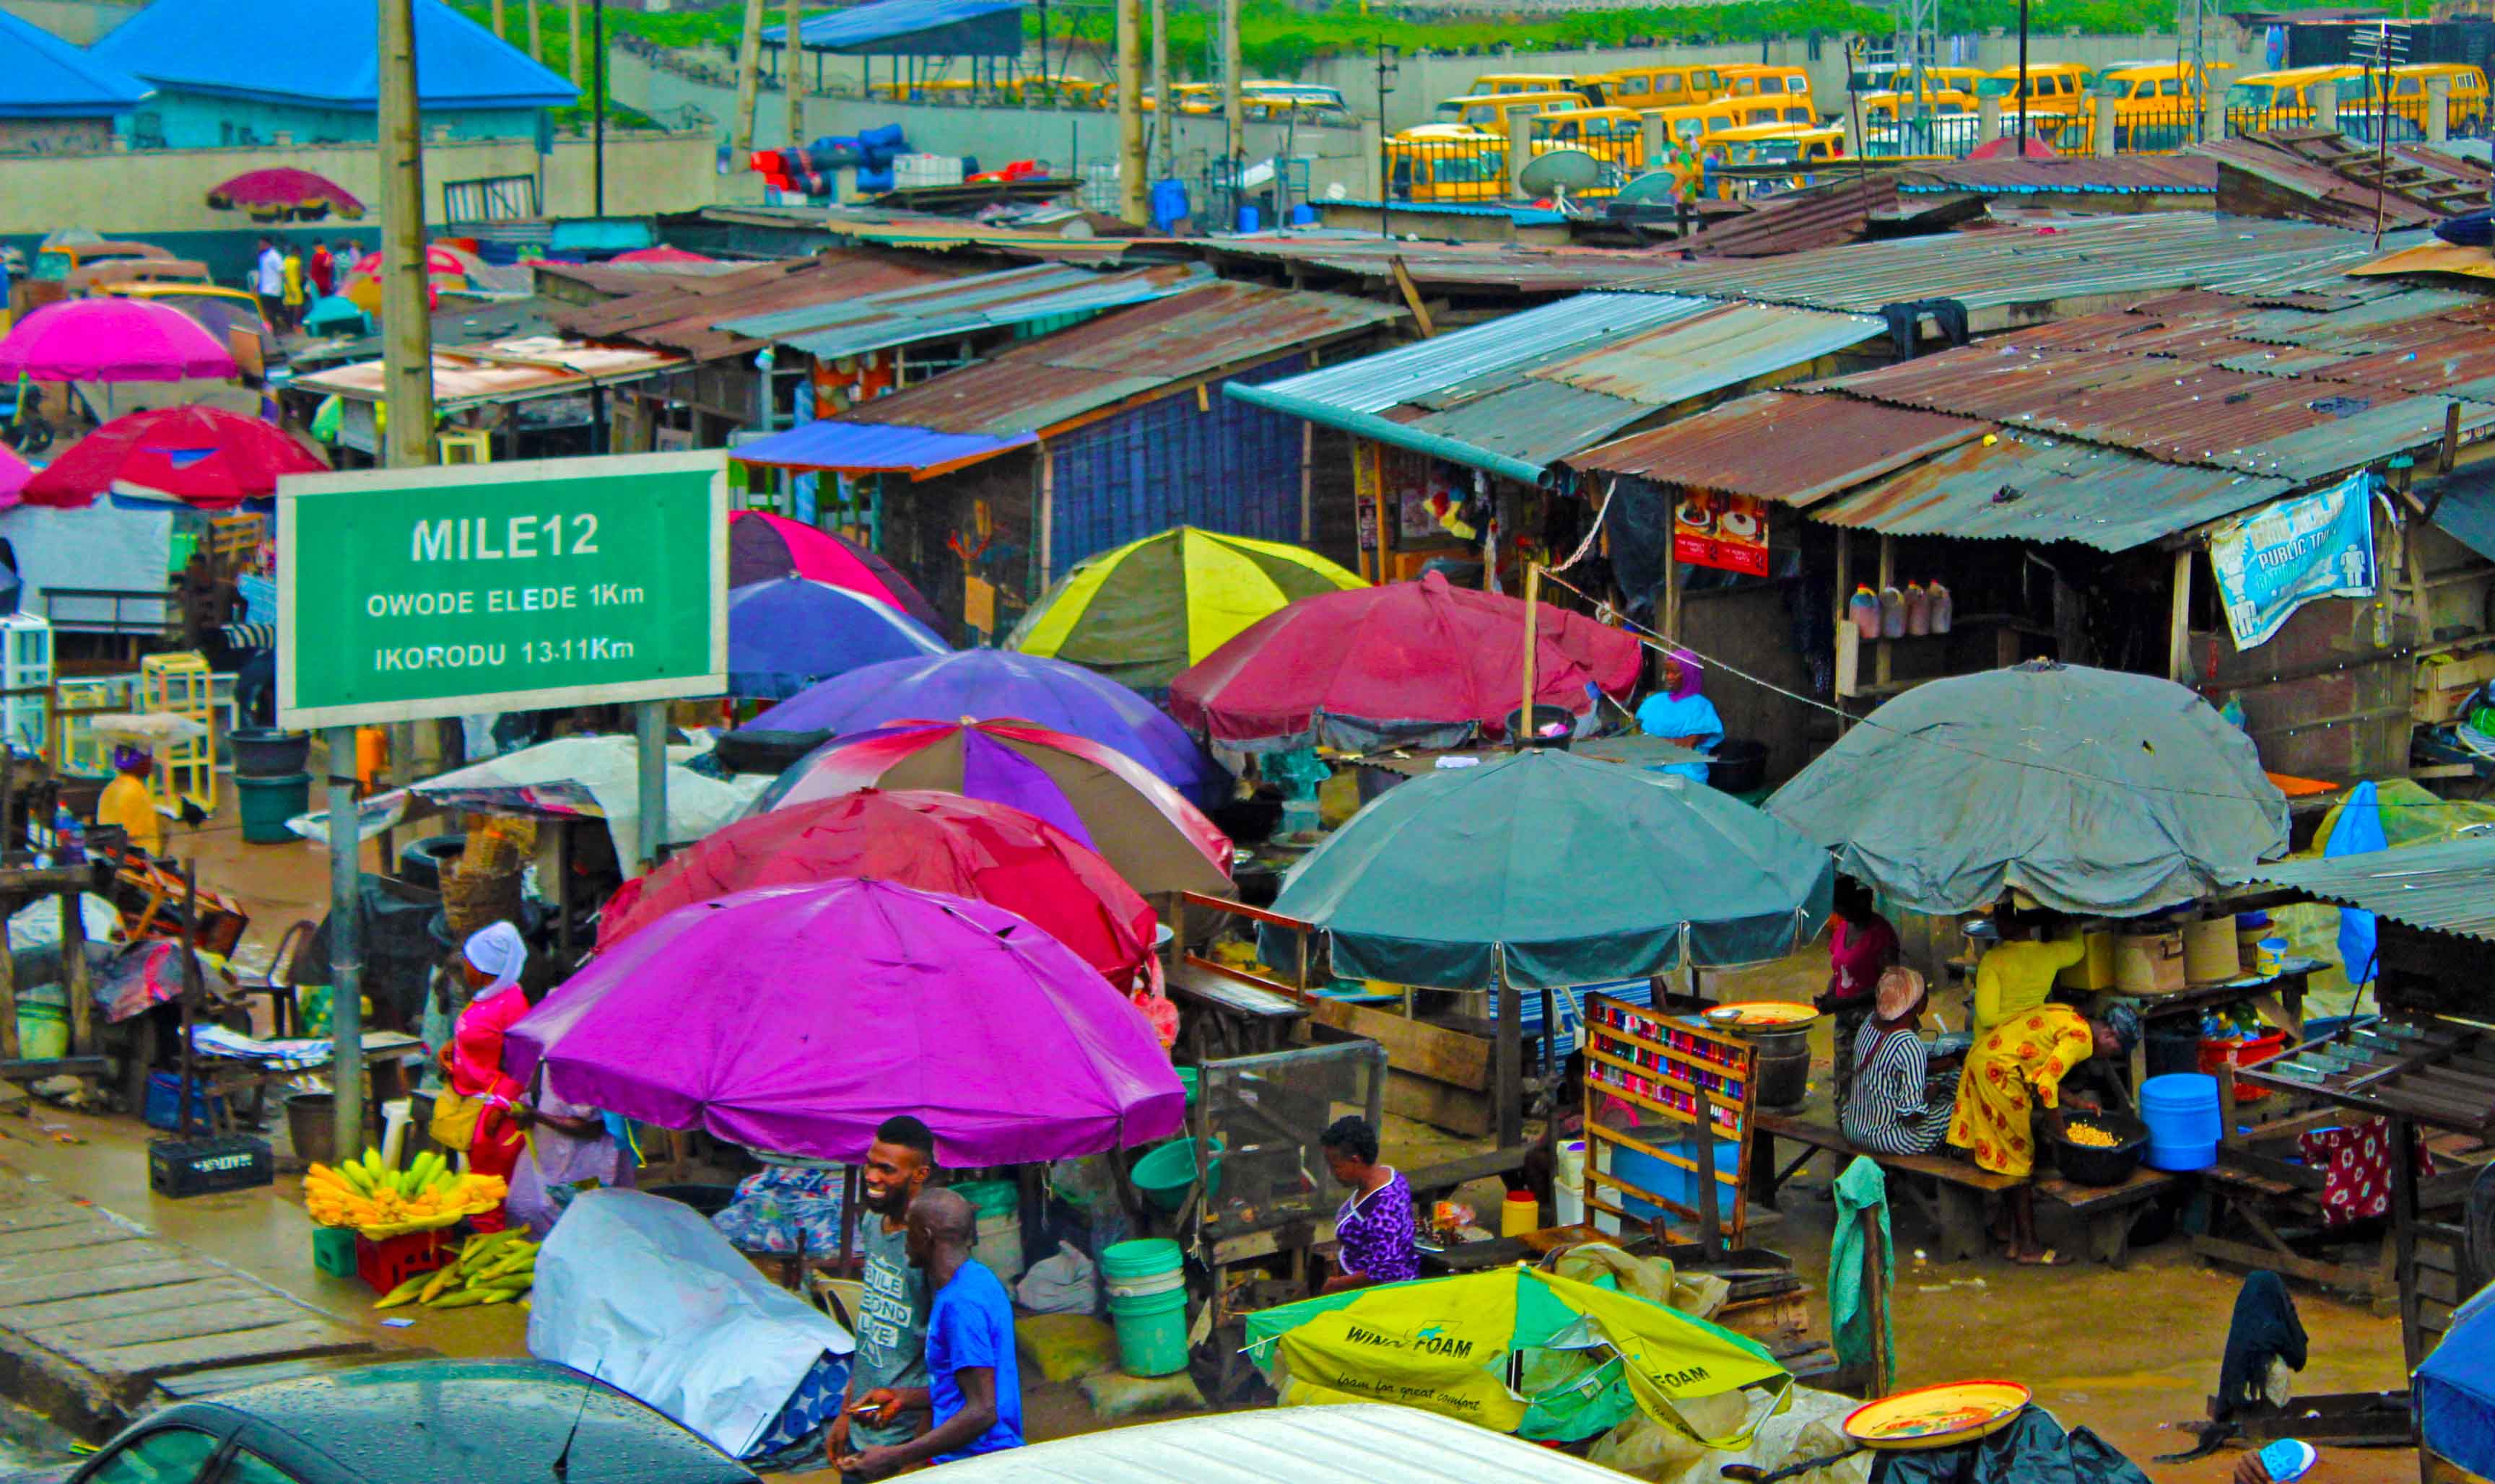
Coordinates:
267 803
1164 1173
990 1197
43 1031
1186 1076
1145 1283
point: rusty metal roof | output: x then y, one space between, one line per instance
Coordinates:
2123 176
1458 266
2015 486
680 315
1799 221
2447 887
1523 391
516 370
2316 175
1040 386
1789 447
2033 270
965 306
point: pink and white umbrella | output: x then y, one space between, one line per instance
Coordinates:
113 339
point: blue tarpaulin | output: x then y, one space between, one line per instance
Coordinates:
319 52
2455 1389
876 448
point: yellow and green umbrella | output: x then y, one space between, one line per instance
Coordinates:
1142 613
1514 1349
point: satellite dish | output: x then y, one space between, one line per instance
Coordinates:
1562 170
1256 176
1655 186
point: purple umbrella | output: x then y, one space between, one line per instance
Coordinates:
786 633
794 1019
990 683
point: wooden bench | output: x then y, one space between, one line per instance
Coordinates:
1950 1191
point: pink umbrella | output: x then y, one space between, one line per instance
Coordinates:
284 192
659 257
794 1019
14 472
113 339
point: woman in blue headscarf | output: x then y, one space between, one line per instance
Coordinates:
1677 713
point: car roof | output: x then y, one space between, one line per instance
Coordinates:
476 1421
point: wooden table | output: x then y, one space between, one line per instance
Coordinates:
226 1079
1224 1017
2280 996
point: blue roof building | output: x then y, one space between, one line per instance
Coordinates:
240 72
53 96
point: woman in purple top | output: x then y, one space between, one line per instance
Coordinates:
1374 1228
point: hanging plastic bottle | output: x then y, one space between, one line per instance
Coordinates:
1863 608
1919 609
1893 613
1944 607
69 838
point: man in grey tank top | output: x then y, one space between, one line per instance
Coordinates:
887 1392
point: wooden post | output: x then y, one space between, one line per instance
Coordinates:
749 84
1533 634
1883 658
792 67
407 331
2404 1224
1308 482
1671 587
1875 1301
1508 1064
1047 522
9 1048
1377 492
563 938
1711 1217
2178 634
498 19
73 971
576 50
537 37
1133 202
1165 115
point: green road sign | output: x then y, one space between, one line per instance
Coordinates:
410 592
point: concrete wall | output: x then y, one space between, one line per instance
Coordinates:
77 21
182 120
165 189
53 136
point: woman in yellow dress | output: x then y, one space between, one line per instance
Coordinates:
129 802
2016 974
2012 1070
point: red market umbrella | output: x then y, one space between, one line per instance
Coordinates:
14 472
109 338
660 255
1994 150
202 456
1105 799
285 194
1410 664
935 842
761 547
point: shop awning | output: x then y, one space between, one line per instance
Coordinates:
876 447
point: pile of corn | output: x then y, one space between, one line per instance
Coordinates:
2090 1136
379 1201
493 1268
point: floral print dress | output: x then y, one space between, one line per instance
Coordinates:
2012 1068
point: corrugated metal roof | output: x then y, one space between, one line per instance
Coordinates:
504 371
1289 1445
863 25
853 326
1040 385
865 448
2048 490
2313 174
2019 265
1787 446
1524 390
1521 216
678 314
2445 887
2071 175
1800 221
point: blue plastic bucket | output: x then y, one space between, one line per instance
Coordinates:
2184 1126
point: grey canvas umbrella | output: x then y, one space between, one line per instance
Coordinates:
2090 791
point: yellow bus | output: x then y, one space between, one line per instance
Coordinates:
1757 81
2467 93
1434 163
1659 87
1489 110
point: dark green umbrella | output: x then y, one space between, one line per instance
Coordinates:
1571 871
2093 791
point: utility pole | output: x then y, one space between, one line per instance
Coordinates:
598 107
537 37
2024 86
792 65
498 19
749 80
1165 123
576 53
1390 67
1131 166
1233 117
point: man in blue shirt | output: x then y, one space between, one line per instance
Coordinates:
974 1381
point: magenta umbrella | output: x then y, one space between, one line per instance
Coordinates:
794 1019
113 339
14 472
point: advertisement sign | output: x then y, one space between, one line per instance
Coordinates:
1728 532
2270 562
411 593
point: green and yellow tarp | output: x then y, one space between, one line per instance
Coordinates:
1142 613
1514 1349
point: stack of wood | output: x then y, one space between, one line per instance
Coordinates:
482 885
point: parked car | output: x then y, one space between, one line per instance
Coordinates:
413 1422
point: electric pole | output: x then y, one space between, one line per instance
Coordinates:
598 107
793 64
575 53
1132 165
1233 117
537 37
749 80
498 19
1165 124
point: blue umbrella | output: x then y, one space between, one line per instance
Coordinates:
2456 1388
1000 684
786 633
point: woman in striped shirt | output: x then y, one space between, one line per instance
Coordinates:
1897 1104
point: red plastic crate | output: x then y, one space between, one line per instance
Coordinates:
385 1264
2215 1054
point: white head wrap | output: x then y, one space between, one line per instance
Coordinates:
497 950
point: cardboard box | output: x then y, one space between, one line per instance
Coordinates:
2148 963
